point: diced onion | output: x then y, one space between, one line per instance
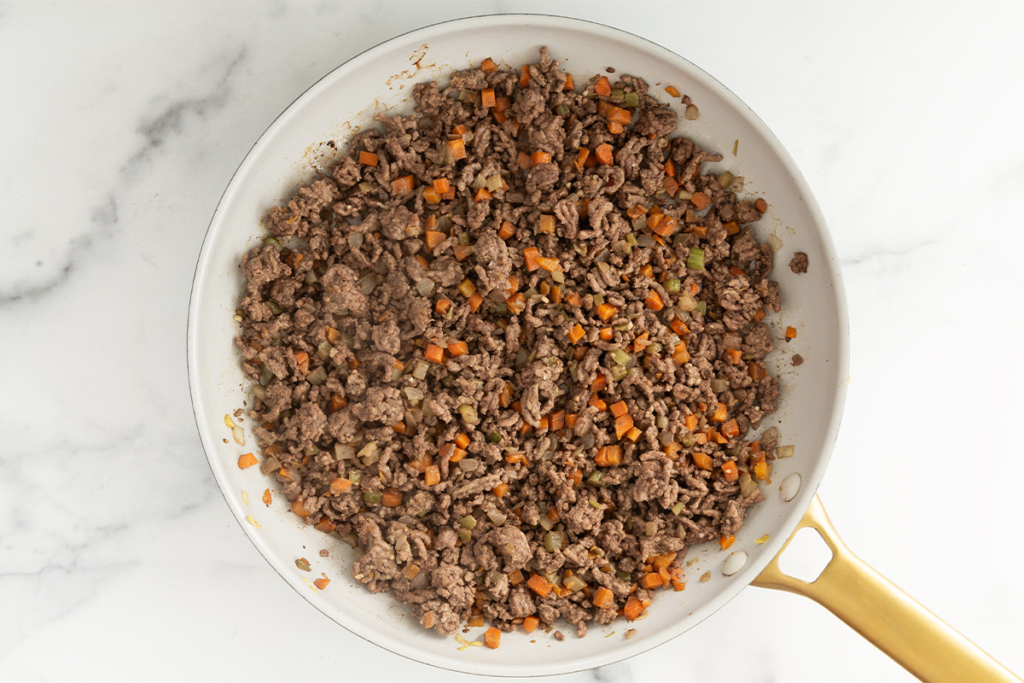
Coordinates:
425 286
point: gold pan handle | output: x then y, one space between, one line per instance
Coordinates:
890 619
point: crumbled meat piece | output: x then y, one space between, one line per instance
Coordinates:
798 264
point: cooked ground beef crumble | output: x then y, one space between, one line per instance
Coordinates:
512 348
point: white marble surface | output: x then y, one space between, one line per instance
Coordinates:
120 125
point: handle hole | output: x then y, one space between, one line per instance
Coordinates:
806 556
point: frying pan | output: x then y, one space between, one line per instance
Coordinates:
310 134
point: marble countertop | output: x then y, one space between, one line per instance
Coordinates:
121 125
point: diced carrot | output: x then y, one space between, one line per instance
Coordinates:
539 585
557 420
368 158
432 476
530 256
619 115
433 353
691 421
482 195
530 624
568 82
268 497
442 306
730 429
603 598
670 168
679 327
615 128
339 486
726 541
619 408
573 299
549 264
576 333
634 607
700 200
524 79
581 158
672 91
516 303
475 301
599 383
731 228
246 461
543 424
500 490
402 185
392 498
514 458
523 161
761 468
457 148
570 420
640 342
702 460
422 261
756 371
680 356
556 294
431 196
302 358
759 315
606 334
790 333
488 66
672 450
671 185
487 97
462 440
442 185
299 508
540 158
460 129
654 302
597 402
735 356
434 238
399 427
651 581
623 424
603 154
730 471
458 348
603 87
761 205
606 311
547 224
720 414
678 586
665 227
608 456
506 230
492 638
325 525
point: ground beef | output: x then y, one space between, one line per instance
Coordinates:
798 264
501 377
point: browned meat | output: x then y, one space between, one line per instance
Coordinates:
442 396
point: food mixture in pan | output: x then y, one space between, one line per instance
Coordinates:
512 349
